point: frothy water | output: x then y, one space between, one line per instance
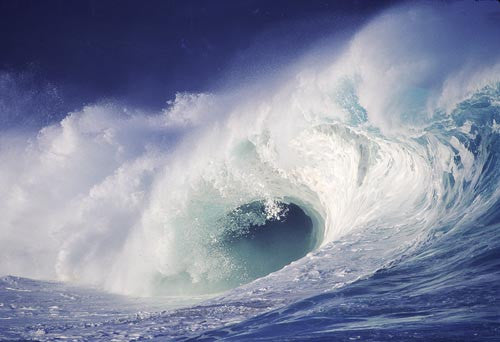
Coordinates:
352 196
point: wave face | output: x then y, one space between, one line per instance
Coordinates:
356 198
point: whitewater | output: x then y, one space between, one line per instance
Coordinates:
353 195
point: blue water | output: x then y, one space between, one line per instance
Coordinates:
437 294
356 201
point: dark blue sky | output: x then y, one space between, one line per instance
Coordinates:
142 52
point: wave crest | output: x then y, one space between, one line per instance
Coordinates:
390 145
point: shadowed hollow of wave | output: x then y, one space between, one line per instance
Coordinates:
250 249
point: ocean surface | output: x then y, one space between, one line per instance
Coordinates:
354 196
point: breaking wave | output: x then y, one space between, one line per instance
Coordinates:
336 170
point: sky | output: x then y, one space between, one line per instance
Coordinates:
59 55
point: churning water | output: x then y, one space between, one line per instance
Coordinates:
356 199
